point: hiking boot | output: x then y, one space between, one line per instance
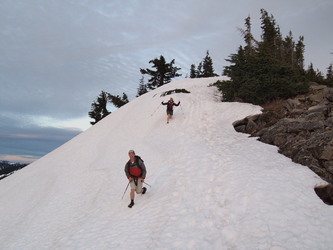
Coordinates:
131 204
144 189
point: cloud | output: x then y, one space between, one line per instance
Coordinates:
56 56
18 158
17 140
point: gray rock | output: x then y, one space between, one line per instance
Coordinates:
317 98
305 157
327 153
318 108
325 192
241 129
299 125
315 116
329 167
240 122
251 127
296 112
291 104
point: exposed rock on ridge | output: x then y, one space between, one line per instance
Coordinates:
302 128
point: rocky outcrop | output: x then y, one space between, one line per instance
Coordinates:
302 128
325 192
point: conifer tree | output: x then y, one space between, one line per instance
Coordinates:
289 45
299 53
207 66
118 101
193 72
265 70
311 73
200 70
98 108
329 75
163 74
269 32
142 89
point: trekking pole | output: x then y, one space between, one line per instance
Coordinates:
125 189
146 184
156 109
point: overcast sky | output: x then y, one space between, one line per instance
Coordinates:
56 56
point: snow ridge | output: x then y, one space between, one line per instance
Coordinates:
212 188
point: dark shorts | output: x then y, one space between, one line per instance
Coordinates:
169 112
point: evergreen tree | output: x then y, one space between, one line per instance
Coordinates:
248 36
200 70
269 32
329 75
207 66
193 72
118 101
289 45
299 53
311 74
163 74
142 89
266 70
98 108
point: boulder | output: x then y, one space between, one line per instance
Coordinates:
314 116
240 122
314 87
241 129
299 125
251 126
318 108
291 104
325 192
296 113
305 157
317 98
328 94
327 153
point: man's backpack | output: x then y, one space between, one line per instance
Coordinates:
137 158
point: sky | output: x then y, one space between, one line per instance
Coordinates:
57 56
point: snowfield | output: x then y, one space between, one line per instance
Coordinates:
212 188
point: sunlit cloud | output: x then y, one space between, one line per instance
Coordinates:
18 158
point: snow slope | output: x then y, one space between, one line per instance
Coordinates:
212 188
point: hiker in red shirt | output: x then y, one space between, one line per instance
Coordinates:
136 173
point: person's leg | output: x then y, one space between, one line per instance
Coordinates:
132 194
139 187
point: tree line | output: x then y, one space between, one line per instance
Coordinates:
270 68
260 71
